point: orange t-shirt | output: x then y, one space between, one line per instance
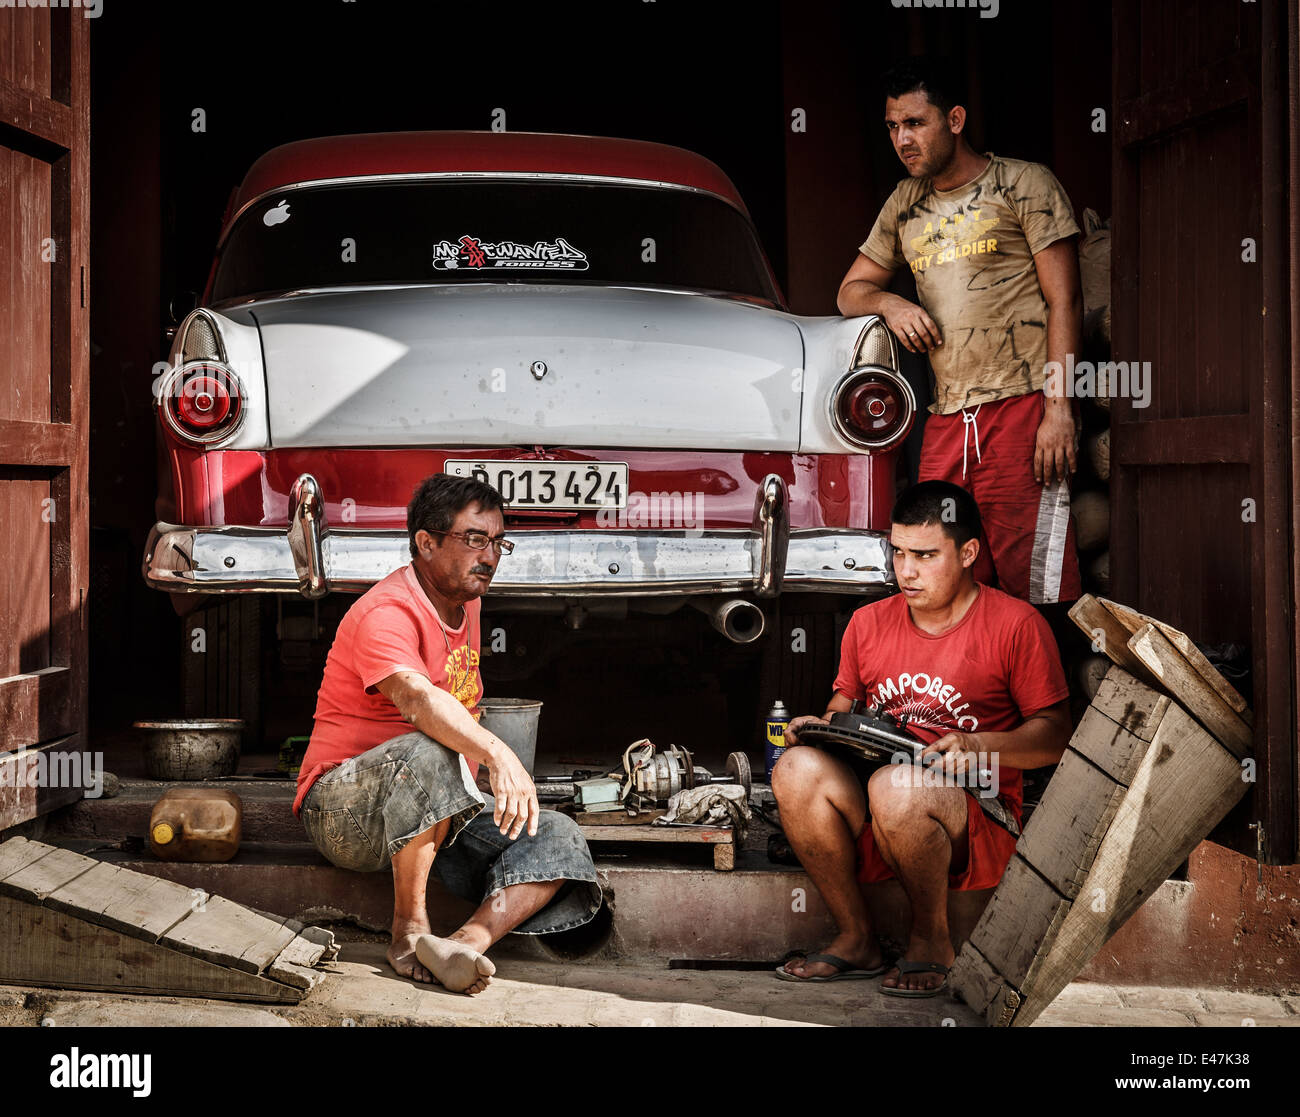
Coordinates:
392 627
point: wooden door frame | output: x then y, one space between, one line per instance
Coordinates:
47 710
1263 438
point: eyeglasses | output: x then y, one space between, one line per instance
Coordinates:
477 540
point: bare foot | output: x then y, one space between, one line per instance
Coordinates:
922 950
862 951
401 953
454 965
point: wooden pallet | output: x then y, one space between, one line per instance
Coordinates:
617 826
1141 784
72 922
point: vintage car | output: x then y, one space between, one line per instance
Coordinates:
588 324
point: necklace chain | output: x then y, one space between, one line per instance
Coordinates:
441 625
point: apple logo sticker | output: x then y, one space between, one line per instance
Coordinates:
276 215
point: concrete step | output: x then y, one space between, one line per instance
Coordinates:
267 810
665 907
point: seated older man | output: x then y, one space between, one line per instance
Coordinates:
978 676
389 776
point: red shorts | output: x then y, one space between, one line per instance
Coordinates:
990 849
1028 531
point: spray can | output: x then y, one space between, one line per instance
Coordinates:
778 717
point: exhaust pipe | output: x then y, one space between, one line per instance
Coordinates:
740 621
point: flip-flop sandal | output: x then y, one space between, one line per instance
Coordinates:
846 971
905 968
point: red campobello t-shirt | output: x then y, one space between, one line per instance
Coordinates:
998 666
392 627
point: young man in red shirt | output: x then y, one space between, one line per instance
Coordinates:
388 778
979 677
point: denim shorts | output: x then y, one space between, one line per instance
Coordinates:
361 813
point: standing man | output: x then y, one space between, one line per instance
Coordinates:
991 243
977 675
388 778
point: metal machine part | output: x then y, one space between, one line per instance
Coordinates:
653 776
874 736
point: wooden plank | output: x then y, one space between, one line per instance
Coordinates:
300 977
301 952
1198 91
47 445
87 895
710 835
1024 912
1111 747
1067 828
1130 704
47 874
1132 620
36 115
23 794
616 818
18 853
1194 440
147 907
324 938
34 707
1151 646
1185 786
274 939
225 932
983 988
1108 636
51 948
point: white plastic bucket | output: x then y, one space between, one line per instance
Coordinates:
514 720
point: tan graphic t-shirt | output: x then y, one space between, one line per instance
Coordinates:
972 252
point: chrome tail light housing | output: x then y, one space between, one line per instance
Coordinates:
202 402
873 407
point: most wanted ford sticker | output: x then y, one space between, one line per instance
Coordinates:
481 255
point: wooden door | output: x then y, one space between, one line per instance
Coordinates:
1202 500
44 241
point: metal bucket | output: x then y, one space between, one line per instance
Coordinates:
190 749
514 720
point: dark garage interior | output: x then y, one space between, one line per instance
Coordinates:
811 194
1171 128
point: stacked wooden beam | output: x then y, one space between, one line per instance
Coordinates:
1155 764
72 922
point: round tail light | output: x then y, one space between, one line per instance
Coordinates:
873 408
202 402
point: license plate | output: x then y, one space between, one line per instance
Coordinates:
550 485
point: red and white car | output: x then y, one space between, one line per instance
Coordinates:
589 324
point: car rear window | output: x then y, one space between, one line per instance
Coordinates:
491 231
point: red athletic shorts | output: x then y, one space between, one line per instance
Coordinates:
990 848
1028 532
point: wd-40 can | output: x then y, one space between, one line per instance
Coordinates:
778 717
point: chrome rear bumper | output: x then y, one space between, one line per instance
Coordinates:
312 558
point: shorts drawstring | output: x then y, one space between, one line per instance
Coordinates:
968 421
